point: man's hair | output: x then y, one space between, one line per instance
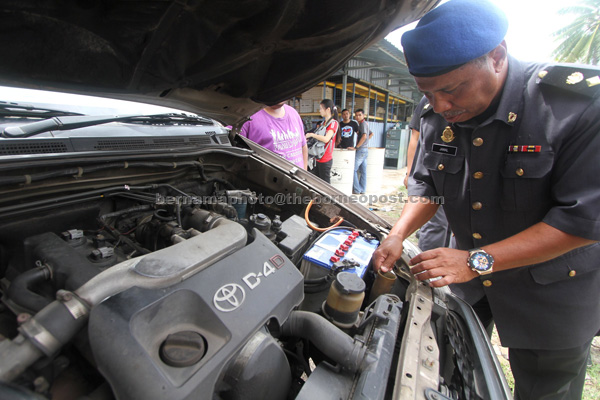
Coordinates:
480 61
359 110
345 109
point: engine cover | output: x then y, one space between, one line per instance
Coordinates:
222 306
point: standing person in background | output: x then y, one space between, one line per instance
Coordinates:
435 233
330 116
362 151
280 129
349 128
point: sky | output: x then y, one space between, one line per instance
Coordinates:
530 27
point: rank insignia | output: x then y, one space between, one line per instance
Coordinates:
569 78
593 81
532 148
575 78
448 135
512 117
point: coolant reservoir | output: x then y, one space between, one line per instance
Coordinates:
345 297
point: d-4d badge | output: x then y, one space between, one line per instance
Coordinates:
448 135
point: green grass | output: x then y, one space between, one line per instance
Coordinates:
591 389
509 376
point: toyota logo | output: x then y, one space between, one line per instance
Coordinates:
229 297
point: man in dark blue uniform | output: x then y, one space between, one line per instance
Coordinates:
513 149
435 232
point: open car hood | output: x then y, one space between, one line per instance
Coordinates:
222 59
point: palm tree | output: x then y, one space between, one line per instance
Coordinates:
581 38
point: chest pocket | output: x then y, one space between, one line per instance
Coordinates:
526 180
575 263
446 173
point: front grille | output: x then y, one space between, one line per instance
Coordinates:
463 352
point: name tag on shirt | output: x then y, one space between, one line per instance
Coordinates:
444 149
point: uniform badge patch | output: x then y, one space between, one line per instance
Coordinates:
448 135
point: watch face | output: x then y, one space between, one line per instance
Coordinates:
481 261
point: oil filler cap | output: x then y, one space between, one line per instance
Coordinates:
183 349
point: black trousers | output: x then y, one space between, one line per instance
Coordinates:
323 170
542 374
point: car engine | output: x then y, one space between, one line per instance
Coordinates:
155 279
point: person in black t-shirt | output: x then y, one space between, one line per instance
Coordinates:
349 127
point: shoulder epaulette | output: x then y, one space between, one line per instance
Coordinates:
573 78
426 109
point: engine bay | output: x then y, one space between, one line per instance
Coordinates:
196 280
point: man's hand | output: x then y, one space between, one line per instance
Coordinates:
387 253
449 264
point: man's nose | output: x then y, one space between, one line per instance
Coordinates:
440 103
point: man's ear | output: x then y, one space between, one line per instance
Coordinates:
499 56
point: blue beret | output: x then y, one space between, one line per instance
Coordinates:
453 34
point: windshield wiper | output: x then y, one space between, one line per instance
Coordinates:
73 122
9 109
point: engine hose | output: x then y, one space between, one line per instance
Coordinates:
328 338
224 182
318 285
314 228
57 323
79 171
157 215
317 281
20 291
118 235
203 176
310 289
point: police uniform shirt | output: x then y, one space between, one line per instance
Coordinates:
415 121
534 159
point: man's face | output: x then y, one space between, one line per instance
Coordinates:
359 116
464 93
346 116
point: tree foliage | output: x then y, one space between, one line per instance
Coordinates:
580 40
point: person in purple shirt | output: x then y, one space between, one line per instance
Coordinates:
279 128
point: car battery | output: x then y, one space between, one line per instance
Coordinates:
342 247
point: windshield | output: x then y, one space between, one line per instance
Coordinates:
80 104
43 122
26 113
